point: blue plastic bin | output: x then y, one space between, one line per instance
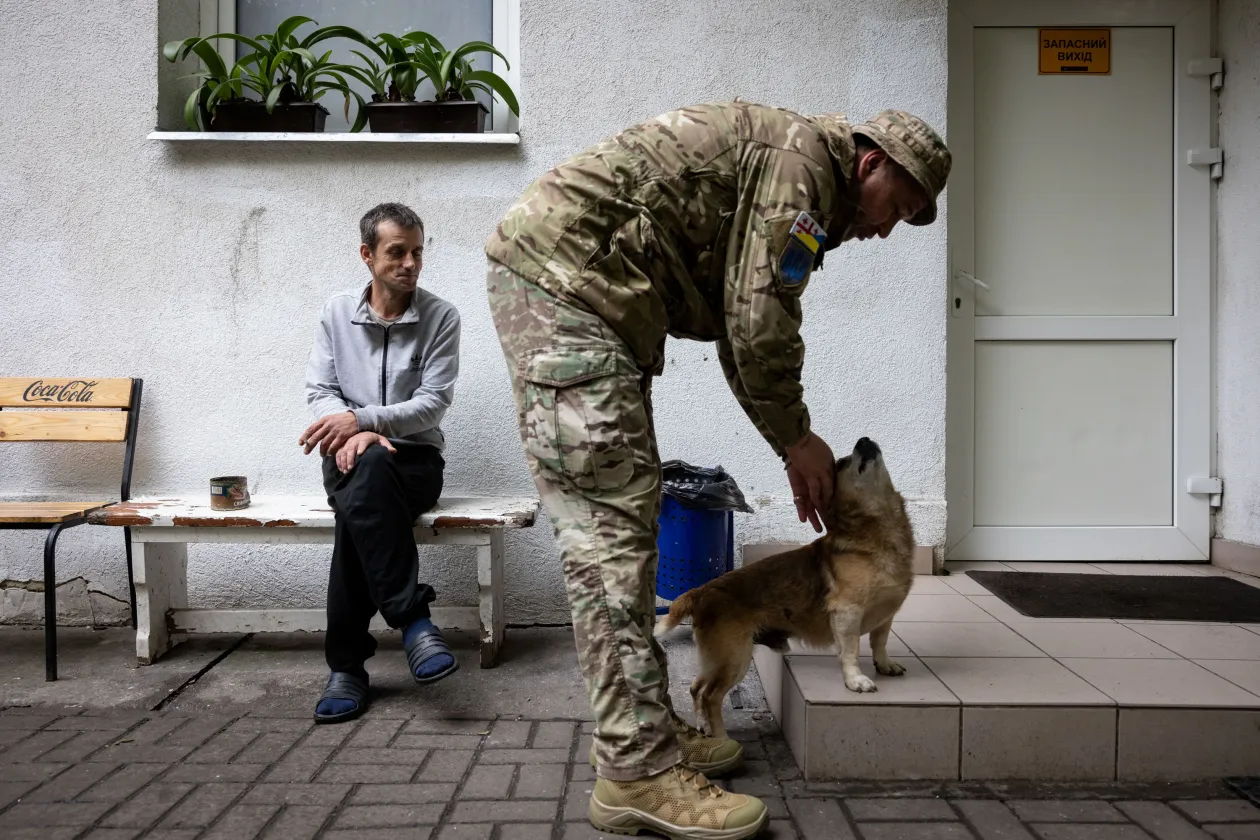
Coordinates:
695 546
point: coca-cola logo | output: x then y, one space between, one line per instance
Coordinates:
74 391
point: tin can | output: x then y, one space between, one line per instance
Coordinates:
229 492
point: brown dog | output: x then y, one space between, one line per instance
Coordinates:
848 583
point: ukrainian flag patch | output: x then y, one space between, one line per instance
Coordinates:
804 242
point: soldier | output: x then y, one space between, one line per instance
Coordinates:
703 223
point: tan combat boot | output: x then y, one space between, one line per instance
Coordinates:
711 756
678 803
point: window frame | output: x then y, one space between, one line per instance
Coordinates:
220 16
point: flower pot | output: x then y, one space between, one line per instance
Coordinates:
253 116
468 117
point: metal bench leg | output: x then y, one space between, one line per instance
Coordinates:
490 585
131 577
50 602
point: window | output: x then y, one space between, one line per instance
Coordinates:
453 23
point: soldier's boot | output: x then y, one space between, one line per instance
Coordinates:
679 803
711 756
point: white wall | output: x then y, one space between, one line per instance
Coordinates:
202 269
1238 274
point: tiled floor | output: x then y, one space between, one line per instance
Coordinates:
1082 698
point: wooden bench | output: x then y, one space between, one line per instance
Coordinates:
80 410
162 530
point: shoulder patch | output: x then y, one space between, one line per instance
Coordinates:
800 251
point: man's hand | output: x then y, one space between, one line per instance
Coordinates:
357 445
330 433
811 472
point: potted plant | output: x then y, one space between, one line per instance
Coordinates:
406 61
287 76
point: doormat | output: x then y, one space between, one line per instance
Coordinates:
1137 597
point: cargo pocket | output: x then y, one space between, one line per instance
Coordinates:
575 401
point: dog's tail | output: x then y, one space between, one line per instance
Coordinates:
679 609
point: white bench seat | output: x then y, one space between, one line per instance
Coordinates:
163 528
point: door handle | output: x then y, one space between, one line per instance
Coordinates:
962 275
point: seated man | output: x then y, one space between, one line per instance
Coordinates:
380 377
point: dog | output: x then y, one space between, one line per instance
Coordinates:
849 582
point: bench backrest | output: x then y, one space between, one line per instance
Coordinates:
91 410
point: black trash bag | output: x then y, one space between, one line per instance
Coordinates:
701 487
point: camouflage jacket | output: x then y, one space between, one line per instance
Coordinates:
678 227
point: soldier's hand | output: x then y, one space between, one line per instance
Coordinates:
811 472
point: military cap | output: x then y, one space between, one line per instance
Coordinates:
917 147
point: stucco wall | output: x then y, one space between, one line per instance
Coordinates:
1238 274
202 268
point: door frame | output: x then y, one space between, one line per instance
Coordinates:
1189 327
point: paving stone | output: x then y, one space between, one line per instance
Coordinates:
1161 821
581 770
327 736
554 735
500 811
300 765
241 821
447 726
40 814
523 831
446 766
436 741
375 733
577 801
299 722
388 816
417 794
1053 810
586 831
172 834
588 727
68 785
122 783
1235 831
820 819
488 781
34 746
63 832
25 719
203 805
540 781
9 737
380 755
197 731
223 747
27 771
993 820
1089 831
544 756
297 794
475 831
915 831
126 753
267 748
1218 810
509 733
147 806
780 830
112 834
83 744
11 792
408 833
215 773
369 773
775 807
152 730
298 822
900 809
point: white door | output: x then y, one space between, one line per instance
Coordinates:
1079 364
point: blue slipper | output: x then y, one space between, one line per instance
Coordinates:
344 698
422 642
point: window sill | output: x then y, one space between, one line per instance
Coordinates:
331 137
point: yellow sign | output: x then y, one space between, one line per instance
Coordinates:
1085 51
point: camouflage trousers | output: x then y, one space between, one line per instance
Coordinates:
585 416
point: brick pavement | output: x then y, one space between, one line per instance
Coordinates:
73 774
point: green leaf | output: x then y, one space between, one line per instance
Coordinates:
347 32
285 29
273 98
211 58
477 46
501 87
306 55
190 110
423 39
171 51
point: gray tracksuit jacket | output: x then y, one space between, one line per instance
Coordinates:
398 380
